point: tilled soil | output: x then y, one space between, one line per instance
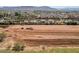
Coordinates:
49 35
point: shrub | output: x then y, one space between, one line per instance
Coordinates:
18 47
71 23
8 47
17 14
2 36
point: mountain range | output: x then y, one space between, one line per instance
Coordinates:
31 8
42 8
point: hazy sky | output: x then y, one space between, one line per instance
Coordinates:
39 2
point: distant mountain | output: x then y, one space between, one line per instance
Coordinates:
42 8
71 9
31 8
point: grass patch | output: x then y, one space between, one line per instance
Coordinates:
64 50
53 50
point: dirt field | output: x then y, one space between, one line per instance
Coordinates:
48 35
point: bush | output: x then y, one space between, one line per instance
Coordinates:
17 14
71 23
2 36
18 47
